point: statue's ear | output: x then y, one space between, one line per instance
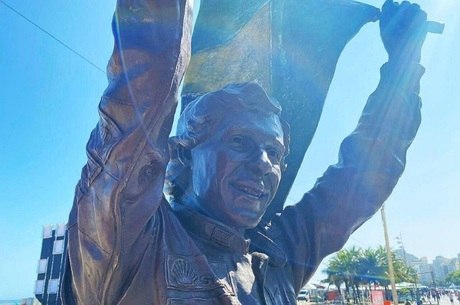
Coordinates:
184 155
179 152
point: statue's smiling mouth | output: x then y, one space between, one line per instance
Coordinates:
249 191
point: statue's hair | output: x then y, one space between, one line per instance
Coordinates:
200 118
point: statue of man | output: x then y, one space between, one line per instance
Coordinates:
129 245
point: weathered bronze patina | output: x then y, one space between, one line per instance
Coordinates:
289 47
129 245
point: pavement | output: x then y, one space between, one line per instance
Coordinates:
443 301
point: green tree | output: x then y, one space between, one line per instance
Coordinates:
355 267
453 278
403 272
372 266
342 268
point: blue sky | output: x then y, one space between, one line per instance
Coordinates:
48 106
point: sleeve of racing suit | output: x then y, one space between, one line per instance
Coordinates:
121 185
371 160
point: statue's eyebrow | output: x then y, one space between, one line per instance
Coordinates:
236 129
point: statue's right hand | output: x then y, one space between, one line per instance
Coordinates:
150 24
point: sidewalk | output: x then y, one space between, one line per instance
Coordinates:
443 301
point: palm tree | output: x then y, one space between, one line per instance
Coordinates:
372 266
342 269
355 267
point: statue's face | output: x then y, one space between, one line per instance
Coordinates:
237 170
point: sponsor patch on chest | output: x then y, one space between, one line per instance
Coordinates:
195 272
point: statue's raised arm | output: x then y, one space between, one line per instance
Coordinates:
121 184
371 158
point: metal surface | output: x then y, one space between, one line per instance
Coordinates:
291 48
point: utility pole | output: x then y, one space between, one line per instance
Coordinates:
400 242
389 258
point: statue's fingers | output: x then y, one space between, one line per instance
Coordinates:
389 4
421 15
413 14
416 5
389 8
405 4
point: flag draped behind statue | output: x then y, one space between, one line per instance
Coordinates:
290 47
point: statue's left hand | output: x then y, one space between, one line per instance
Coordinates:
403 30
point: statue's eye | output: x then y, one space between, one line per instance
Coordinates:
274 155
240 143
237 140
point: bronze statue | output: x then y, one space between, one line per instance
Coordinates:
129 245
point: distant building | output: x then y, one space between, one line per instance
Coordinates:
441 268
425 272
27 301
51 264
430 274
